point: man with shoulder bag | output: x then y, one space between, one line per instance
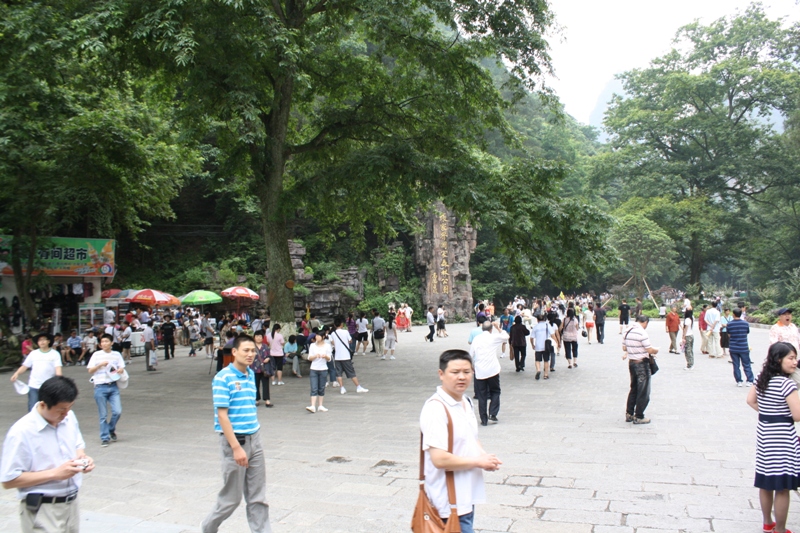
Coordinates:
452 459
641 366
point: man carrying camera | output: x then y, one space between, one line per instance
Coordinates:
44 459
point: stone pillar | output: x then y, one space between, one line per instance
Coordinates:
442 258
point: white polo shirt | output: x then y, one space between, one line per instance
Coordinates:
33 445
433 424
484 350
42 366
341 344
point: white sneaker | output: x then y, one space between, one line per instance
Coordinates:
383 358
750 383
335 384
311 409
327 383
323 409
689 368
740 384
392 358
361 389
281 383
274 382
343 390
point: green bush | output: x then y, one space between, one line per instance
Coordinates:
302 290
766 307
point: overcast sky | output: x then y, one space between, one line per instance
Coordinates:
606 37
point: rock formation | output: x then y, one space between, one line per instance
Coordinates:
442 258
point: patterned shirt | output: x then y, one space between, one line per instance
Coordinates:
236 392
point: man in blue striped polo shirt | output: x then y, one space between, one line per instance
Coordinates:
739 348
236 421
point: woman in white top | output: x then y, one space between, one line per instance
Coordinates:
319 353
588 321
391 336
43 363
362 334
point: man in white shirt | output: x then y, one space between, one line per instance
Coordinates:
44 459
468 459
714 327
106 368
149 339
43 363
484 350
109 316
340 338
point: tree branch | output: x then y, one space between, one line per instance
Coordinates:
278 8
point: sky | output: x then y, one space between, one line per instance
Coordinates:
601 38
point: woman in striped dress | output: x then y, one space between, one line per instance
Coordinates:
776 399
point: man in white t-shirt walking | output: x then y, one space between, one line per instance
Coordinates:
340 338
106 368
43 363
468 459
484 350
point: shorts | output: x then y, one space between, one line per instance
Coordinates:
542 356
390 343
345 367
363 337
623 321
126 345
208 341
116 347
278 361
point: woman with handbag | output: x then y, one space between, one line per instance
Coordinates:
263 377
588 321
570 331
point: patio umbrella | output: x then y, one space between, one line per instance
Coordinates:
110 293
240 292
201 298
152 297
127 293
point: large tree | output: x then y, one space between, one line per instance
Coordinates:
86 151
696 128
360 113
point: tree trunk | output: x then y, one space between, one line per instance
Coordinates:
280 298
695 260
22 280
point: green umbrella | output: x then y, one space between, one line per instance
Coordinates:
201 298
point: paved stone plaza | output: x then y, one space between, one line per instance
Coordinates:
571 463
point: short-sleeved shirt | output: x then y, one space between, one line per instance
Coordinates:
90 343
469 483
168 330
474 333
42 366
74 342
33 445
341 344
236 392
378 323
713 318
290 347
781 333
102 375
600 315
637 342
276 344
319 363
673 322
541 332
362 323
624 311
738 331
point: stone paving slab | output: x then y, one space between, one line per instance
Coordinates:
571 463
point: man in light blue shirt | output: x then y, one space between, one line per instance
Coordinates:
236 421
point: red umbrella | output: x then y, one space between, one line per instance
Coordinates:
240 292
152 297
110 293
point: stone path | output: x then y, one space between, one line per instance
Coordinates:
571 463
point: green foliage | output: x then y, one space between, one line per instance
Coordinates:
302 290
326 272
374 297
643 249
692 134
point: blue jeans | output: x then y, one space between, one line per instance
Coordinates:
742 358
317 378
331 371
108 393
465 520
33 398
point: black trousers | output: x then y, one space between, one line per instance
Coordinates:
169 346
601 331
488 390
639 395
430 335
263 380
519 356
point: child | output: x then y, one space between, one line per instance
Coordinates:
291 351
194 338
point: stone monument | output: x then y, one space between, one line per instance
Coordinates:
442 258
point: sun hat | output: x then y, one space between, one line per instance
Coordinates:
21 387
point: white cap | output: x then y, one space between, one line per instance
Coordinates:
21 387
